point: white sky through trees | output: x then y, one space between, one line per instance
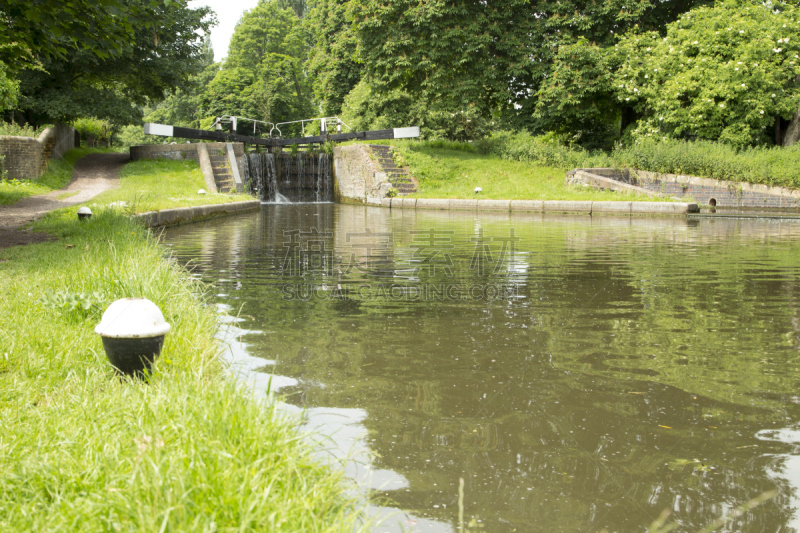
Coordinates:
228 14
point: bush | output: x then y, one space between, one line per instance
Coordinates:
19 130
100 129
771 166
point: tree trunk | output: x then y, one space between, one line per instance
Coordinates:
296 86
792 134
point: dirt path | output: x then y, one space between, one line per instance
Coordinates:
94 174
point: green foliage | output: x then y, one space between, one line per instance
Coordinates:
146 64
78 304
263 76
333 62
92 126
18 130
12 190
723 73
183 107
772 166
543 150
578 99
9 88
391 193
465 56
366 108
190 449
40 29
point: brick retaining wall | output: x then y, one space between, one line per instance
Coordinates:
27 158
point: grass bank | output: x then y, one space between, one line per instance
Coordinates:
518 165
82 449
446 169
444 172
156 184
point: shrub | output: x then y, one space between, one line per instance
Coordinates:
771 166
18 130
100 129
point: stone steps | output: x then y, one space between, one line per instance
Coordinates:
222 172
399 177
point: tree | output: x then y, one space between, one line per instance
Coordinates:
33 30
578 98
263 76
466 55
722 73
183 107
333 60
82 83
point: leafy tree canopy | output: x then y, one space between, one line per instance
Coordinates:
723 73
333 61
155 60
467 55
263 76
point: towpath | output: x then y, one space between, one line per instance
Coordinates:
94 174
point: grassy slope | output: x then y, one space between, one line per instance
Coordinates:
84 450
152 185
445 172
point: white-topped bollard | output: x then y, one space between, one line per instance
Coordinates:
84 213
201 191
478 189
133 332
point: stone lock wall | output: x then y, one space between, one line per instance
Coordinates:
356 177
27 158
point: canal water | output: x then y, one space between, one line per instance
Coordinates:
499 373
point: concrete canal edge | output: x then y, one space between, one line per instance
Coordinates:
546 206
185 215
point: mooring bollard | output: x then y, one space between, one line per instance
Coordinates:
84 213
133 332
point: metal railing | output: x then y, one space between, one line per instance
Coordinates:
323 125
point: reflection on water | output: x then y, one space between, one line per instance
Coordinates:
578 373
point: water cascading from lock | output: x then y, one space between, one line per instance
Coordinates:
323 179
311 175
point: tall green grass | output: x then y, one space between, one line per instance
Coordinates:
83 450
771 166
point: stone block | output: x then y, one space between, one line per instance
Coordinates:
432 203
527 205
464 204
404 203
494 205
613 208
567 206
663 208
386 202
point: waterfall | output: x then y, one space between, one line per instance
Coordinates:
271 177
301 168
311 180
261 170
321 188
255 174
